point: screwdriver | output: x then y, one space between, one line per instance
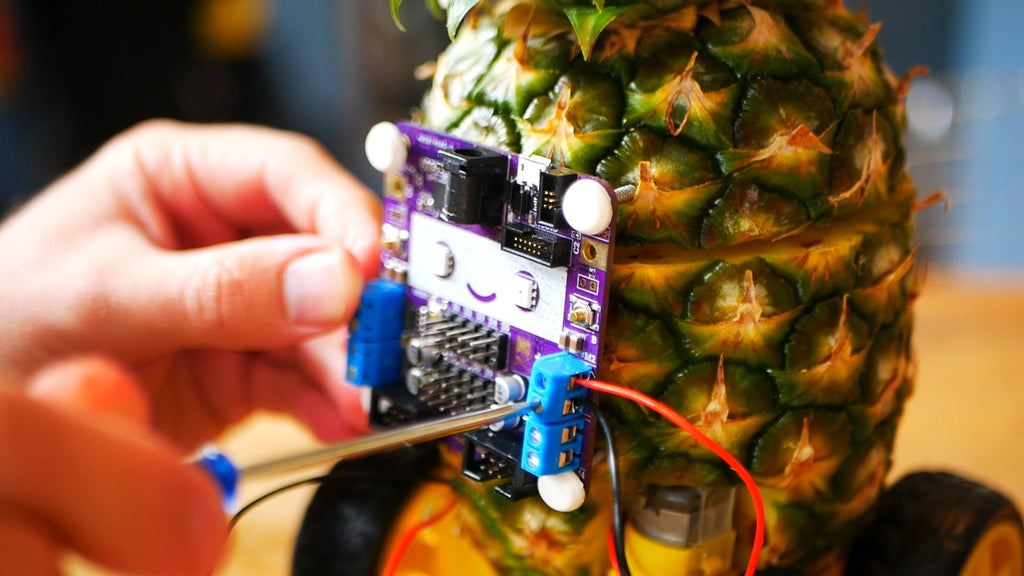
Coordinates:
227 475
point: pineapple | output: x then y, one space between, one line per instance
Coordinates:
764 272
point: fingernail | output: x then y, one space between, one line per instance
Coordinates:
317 289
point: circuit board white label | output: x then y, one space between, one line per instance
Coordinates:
483 277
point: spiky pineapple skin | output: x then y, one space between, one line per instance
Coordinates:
764 272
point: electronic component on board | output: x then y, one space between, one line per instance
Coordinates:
524 291
552 441
553 184
375 335
535 244
474 186
503 261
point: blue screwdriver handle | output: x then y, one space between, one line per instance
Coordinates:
223 472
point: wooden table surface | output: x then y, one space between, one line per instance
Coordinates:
967 413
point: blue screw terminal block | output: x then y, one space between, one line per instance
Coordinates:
374 364
552 438
375 335
552 448
381 313
551 386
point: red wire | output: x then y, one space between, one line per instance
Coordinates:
391 568
675 418
611 552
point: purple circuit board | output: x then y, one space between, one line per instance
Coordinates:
495 279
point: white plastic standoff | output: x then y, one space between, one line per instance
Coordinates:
386 147
562 492
587 207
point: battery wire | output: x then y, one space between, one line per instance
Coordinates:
266 496
391 568
333 475
717 449
617 541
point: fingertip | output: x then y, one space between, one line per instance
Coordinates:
353 406
182 531
321 289
186 533
344 421
188 530
346 418
351 218
325 361
203 526
351 265
93 385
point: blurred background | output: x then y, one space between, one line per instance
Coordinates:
75 72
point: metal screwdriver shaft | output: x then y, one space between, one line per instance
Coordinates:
389 440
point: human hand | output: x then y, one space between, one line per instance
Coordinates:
81 470
217 263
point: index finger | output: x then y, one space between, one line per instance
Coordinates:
218 183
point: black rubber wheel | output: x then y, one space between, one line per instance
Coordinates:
351 513
930 523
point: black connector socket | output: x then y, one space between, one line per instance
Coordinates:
519 199
491 457
553 184
541 247
475 186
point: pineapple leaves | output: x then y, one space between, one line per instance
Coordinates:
590 22
395 5
457 10
432 6
435 9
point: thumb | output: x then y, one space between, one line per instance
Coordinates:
257 293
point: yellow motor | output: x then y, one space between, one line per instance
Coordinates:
681 531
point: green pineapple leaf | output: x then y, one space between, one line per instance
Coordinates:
395 5
590 22
457 10
435 9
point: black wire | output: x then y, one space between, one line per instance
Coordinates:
618 514
321 479
262 498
